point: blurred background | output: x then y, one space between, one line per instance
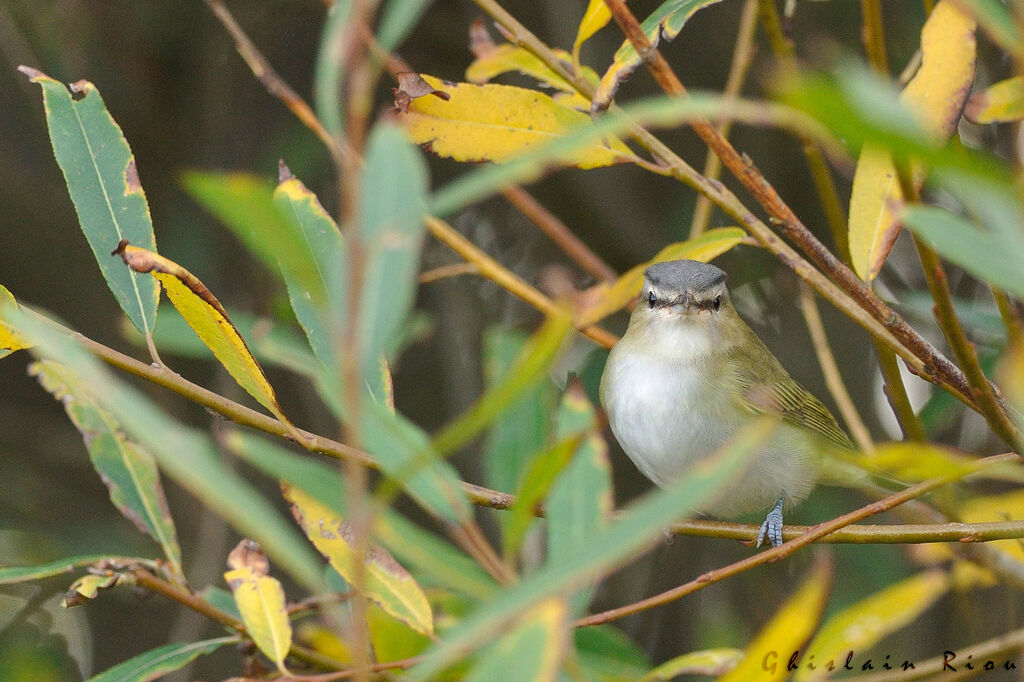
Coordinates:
171 78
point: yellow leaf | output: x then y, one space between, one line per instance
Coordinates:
998 103
767 655
863 624
380 578
915 461
507 57
594 19
610 298
324 641
207 317
710 662
87 587
9 341
1006 507
260 601
936 95
497 122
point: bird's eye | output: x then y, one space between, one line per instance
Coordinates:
717 303
651 299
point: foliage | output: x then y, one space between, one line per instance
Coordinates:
419 585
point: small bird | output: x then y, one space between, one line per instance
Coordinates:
689 373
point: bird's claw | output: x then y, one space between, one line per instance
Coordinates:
772 526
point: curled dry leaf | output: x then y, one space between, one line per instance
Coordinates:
410 86
249 554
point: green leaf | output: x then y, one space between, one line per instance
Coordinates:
392 203
860 626
640 526
245 204
186 455
9 341
532 650
19 574
539 474
607 655
162 660
666 21
529 368
399 17
127 469
523 427
581 501
990 255
329 72
101 176
418 548
710 662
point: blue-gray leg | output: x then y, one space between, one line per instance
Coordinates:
772 526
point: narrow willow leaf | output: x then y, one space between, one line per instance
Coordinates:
9 341
377 575
523 428
540 472
709 662
787 631
162 660
666 21
611 298
399 17
998 103
207 317
101 176
532 650
430 555
581 501
326 249
329 71
186 455
127 468
392 203
640 526
261 602
860 626
19 574
532 365
508 58
392 639
991 255
936 95
596 17
607 655
914 462
245 204
496 122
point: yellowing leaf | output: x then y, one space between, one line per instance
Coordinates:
710 662
666 21
207 317
786 632
1005 507
594 19
998 103
936 95
862 625
380 577
497 122
915 461
610 298
260 601
507 57
9 341
87 587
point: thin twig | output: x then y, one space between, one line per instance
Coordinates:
446 271
559 233
787 548
1011 316
833 379
742 57
896 394
874 36
864 534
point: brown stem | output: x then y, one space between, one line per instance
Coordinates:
874 36
786 548
896 534
559 233
896 393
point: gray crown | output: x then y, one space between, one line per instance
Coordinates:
684 275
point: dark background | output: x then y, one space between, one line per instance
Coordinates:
171 78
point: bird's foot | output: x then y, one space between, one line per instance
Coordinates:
772 526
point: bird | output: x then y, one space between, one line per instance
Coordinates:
689 373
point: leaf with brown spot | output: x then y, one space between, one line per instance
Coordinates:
260 600
1001 102
379 577
208 319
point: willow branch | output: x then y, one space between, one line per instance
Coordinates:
896 394
559 233
742 57
1011 317
873 35
833 379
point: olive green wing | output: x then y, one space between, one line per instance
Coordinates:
773 391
